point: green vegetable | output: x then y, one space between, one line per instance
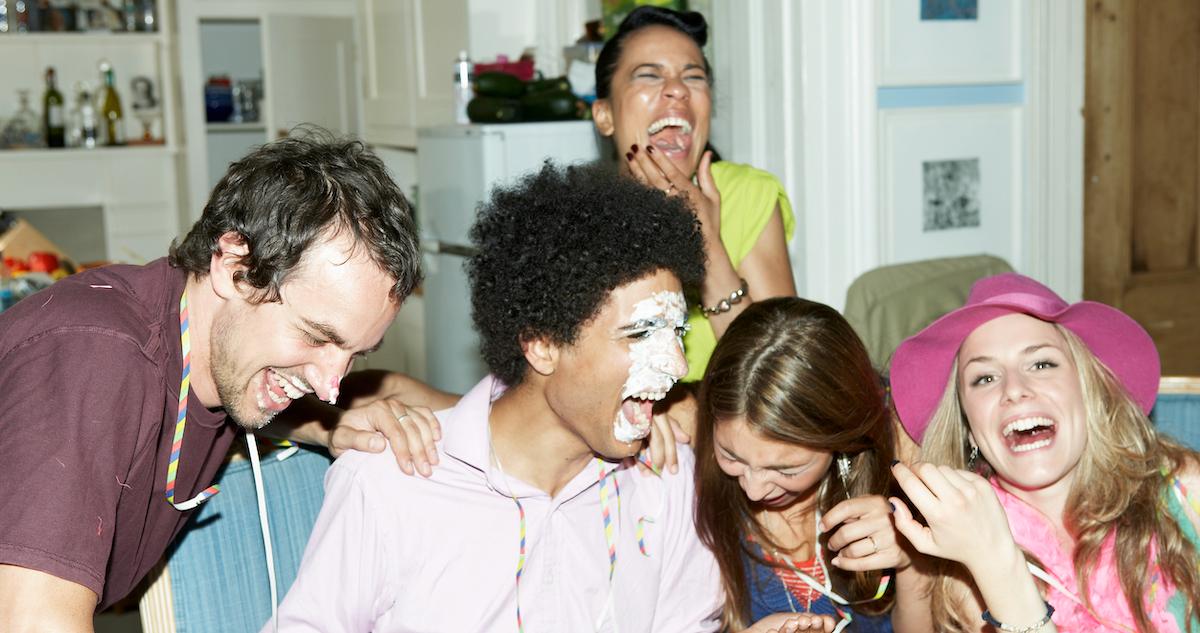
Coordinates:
555 105
547 85
494 110
496 84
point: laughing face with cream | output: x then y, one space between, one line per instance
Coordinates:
656 361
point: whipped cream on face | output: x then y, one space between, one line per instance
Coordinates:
656 361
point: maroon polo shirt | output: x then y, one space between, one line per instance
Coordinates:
89 388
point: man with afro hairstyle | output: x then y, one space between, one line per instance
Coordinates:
537 518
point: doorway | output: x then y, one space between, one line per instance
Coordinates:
1142 169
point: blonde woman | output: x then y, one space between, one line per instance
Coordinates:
1047 493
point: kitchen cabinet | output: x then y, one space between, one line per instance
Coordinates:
410 50
304 51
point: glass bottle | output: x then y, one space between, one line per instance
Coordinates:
23 131
19 15
53 118
464 76
147 20
84 129
111 117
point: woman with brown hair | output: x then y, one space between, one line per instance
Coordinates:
792 457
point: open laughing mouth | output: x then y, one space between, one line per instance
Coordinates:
279 390
633 420
671 135
1029 434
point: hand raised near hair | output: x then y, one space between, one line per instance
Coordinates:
966 522
864 536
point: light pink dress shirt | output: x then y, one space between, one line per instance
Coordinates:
393 553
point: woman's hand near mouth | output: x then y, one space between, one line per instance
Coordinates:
651 168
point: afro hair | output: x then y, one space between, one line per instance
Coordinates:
551 248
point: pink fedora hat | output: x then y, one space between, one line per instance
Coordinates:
921 365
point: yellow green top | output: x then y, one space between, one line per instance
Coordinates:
748 197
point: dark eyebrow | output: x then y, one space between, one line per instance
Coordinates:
327 331
659 67
776 468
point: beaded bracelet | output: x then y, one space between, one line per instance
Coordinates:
725 305
988 619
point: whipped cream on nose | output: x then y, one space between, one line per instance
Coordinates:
334 383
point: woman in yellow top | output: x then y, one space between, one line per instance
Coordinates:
654 99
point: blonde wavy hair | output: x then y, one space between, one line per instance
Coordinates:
1118 486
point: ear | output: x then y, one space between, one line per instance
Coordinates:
602 116
541 355
226 264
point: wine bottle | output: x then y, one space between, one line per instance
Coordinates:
53 124
112 119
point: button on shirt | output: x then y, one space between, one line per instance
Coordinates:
397 553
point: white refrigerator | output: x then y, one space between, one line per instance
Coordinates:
457 167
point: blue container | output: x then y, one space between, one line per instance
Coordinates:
218 102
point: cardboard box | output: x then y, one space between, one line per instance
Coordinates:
21 239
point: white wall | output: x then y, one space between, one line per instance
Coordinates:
510 26
797 95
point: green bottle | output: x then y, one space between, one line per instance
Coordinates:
53 117
112 120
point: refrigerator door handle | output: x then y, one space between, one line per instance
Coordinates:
448 248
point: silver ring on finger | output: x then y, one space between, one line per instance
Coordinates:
402 417
669 190
874 545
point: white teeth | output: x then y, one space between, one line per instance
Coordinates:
276 399
670 121
650 395
1031 446
286 385
1026 424
300 384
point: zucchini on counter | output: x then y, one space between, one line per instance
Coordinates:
503 98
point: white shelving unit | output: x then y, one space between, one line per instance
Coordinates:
305 51
135 189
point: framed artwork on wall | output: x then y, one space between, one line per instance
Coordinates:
925 42
951 182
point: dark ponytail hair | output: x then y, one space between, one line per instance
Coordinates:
690 23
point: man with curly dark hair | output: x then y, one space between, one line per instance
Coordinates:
537 518
297 265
